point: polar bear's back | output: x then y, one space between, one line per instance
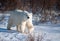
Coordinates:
17 17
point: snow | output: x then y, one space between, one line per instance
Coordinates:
52 33
49 32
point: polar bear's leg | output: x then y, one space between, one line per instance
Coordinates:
10 23
23 26
9 26
19 28
30 27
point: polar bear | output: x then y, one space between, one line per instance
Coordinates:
21 19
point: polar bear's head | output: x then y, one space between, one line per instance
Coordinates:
26 15
29 14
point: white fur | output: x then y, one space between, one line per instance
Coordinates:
19 18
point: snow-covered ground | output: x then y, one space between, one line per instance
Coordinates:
52 33
49 32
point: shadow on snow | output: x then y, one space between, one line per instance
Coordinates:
7 31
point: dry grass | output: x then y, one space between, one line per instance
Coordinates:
35 37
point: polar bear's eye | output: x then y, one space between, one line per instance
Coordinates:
28 17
